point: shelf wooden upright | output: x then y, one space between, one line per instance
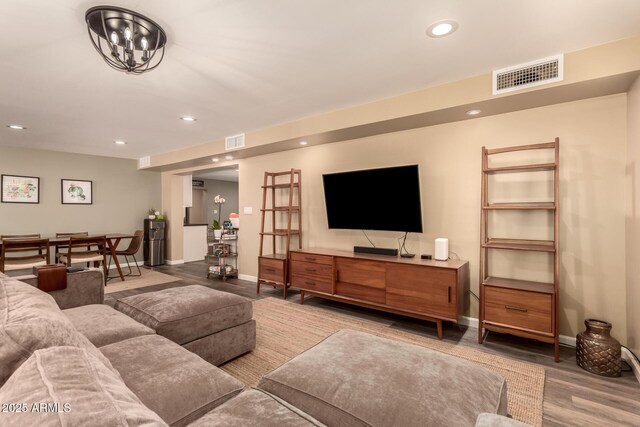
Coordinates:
273 269
519 307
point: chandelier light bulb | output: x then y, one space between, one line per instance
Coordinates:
126 40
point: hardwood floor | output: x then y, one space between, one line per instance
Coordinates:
572 396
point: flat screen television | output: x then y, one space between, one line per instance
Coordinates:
374 199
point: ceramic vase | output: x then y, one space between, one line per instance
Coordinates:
597 351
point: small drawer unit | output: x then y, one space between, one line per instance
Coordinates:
271 269
312 272
527 310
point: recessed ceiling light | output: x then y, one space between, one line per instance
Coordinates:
215 159
303 142
228 157
473 112
442 28
188 119
120 142
16 127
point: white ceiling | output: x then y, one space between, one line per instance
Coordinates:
220 174
241 65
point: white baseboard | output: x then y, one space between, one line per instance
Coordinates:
174 261
247 278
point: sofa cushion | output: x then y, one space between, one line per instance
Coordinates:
357 379
494 420
83 287
171 381
103 325
30 320
187 313
69 386
256 407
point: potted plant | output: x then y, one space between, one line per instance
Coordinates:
217 228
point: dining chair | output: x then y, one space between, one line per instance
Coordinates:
87 249
23 254
131 251
62 249
19 236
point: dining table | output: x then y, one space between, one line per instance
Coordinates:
113 240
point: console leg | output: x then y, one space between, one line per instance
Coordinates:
285 291
258 287
301 297
439 324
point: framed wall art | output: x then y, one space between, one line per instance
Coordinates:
77 192
20 189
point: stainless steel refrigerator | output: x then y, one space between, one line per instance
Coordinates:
154 242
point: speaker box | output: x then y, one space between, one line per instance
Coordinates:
376 251
442 249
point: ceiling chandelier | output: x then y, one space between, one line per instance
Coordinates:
127 41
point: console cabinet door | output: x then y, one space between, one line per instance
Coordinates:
427 290
360 279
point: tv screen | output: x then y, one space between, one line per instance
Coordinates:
374 199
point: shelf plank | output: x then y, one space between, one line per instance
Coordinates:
281 232
521 206
544 145
520 245
521 168
295 185
282 209
524 285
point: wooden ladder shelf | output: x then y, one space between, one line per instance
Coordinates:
519 307
281 202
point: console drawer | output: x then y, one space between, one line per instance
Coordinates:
271 269
307 283
518 308
311 269
306 257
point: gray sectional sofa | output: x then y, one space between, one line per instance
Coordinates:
121 373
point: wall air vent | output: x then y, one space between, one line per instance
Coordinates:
144 162
535 73
235 141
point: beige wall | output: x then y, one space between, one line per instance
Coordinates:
228 190
633 217
593 146
121 193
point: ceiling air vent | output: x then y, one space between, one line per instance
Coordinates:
536 73
235 141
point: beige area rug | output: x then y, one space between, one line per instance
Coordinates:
148 278
286 329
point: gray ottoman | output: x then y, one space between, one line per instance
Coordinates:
215 325
357 379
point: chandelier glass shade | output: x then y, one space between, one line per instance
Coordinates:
126 40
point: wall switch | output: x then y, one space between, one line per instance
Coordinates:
248 210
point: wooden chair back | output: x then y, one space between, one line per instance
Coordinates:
134 244
19 236
22 254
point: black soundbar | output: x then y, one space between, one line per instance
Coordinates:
377 251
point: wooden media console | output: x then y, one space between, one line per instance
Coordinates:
424 289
